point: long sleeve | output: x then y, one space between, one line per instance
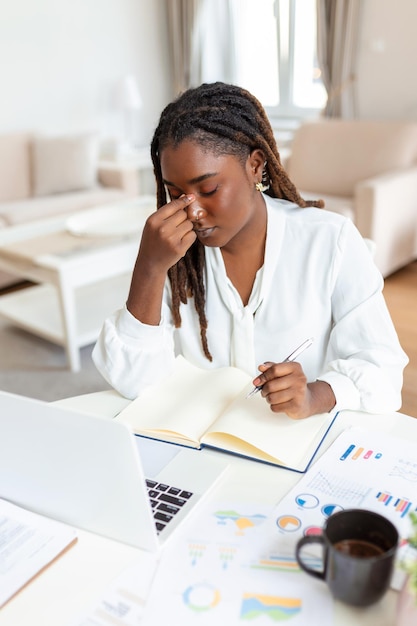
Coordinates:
318 280
132 356
364 361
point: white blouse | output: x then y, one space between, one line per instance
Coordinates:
318 280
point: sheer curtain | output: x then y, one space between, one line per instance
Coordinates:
182 16
337 41
202 41
214 48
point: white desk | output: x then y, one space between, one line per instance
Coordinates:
74 581
81 280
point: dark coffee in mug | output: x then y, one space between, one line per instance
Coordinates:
358 555
358 548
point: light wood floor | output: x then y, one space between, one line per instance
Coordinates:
401 297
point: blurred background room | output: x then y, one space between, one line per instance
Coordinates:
83 84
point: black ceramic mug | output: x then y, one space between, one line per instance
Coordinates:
358 552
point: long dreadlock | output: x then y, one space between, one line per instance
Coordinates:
225 119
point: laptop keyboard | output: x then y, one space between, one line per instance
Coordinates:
166 501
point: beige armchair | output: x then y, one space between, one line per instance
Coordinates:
366 170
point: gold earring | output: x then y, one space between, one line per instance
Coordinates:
265 178
265 183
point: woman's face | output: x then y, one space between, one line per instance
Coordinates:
227 208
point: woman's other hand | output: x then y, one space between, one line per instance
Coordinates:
285 388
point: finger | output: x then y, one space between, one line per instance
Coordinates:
264 366
187 240
292 409
284 393
260 380
171 220
271 371
177 205
185 235
277 390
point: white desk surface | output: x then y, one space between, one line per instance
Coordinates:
76 579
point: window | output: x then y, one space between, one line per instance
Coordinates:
276 56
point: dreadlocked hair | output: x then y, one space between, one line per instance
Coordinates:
225 120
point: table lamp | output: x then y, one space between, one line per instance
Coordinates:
129 101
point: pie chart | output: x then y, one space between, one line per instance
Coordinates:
201 597
288 523
329 509
307 501
313 530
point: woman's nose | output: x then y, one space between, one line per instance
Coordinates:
195 212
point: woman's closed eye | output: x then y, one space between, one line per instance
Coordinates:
210 192
174 195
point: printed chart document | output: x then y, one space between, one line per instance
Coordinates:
196 407
123 602
215 573
28 543
363 469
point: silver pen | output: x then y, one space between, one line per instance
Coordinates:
291 357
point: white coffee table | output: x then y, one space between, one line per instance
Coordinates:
81 266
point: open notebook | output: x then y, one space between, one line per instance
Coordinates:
88 472
198 407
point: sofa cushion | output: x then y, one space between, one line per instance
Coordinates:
14 213
15 181
63 164
332 156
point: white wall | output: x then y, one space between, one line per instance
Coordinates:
386 76
61 59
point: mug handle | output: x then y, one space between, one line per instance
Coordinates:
300 544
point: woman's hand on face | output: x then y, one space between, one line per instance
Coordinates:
167 234
286 390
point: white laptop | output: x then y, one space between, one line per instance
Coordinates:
88 471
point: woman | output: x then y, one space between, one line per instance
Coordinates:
235 268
